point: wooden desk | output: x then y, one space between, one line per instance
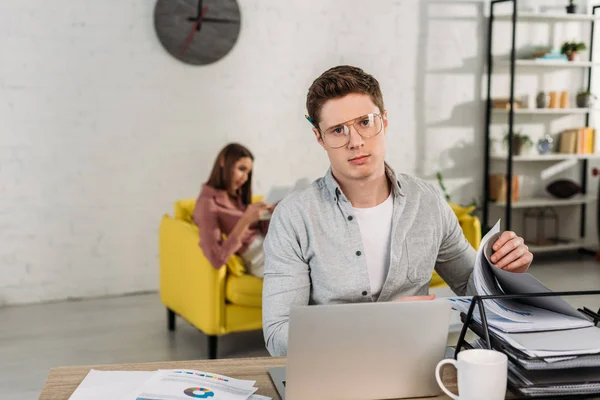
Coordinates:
62 381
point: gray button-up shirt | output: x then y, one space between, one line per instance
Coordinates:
314 252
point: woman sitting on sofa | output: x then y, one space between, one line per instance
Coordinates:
224 207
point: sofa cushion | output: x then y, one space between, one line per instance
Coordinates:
235 265
461 211
564 188
245 290
184 210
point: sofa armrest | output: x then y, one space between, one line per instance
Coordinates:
471 227
189 284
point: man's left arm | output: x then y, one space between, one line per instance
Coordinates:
456 257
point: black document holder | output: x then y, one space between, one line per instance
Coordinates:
482 330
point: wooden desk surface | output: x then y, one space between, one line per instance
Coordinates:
63 381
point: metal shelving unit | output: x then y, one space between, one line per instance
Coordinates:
513 63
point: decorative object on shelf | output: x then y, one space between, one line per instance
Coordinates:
197 32
524 101
545 221
541 100
571 8
571 49
585 99
544 145
519 141
563 188
504 103
498 188
547 53
564 99
553 102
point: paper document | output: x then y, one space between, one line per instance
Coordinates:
558 345
538 319
128 385
511 283
188 384
535 314
102 385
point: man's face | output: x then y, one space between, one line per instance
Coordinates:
362 157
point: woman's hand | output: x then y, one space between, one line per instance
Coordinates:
255 211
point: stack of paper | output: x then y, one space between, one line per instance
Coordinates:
552 345
552 348
526 315
164 385
553 375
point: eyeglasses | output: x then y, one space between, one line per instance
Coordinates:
367 126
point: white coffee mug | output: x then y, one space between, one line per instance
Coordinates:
481 375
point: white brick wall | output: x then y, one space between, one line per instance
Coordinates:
101 130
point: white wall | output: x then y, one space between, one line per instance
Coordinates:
101 130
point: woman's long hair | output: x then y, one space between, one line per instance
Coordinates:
220 177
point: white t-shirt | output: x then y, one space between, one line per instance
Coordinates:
375 225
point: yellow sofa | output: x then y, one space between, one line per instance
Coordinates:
216 301
225 300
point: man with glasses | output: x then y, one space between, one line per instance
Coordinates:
362 233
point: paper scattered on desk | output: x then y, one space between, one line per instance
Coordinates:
102 385
188 384
164 384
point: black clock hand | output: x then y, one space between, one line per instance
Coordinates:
199 14
195 28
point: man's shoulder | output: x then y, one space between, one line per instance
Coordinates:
412 185
304 199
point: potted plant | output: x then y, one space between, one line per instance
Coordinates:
585 99
570 49
571 8
519 141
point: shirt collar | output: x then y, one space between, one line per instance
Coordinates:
336 191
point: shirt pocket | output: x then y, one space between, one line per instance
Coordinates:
422 255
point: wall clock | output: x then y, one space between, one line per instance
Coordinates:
197 32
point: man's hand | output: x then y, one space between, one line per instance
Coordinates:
511 253
416 298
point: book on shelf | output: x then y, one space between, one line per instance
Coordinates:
578 141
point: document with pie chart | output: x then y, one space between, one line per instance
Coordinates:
191 384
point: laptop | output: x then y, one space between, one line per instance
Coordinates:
364 351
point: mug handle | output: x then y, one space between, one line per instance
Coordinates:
439 379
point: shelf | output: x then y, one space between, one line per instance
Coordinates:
548 63
547 157
546 202
545 111
531 16
574 245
